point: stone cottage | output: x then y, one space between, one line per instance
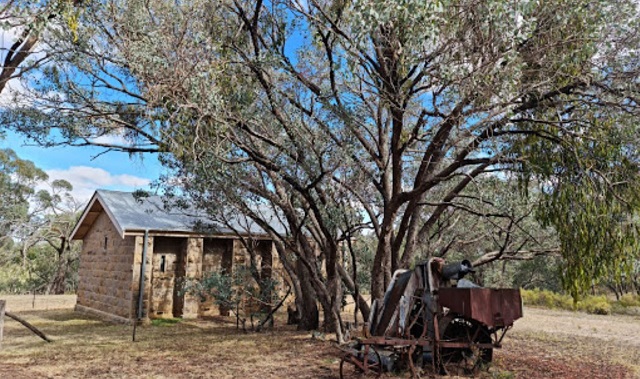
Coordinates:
113 228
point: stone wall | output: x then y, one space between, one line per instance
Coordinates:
174 259
109 272
167 267
135 281
105 272
217 255
192 270
230 254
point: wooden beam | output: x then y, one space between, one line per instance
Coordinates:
27 325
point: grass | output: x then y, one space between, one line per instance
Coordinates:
165 321
87 347
628 304
543 344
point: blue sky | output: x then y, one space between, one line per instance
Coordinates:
84 169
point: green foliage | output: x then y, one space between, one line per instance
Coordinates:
598 305
33 256
541 272
547 299
364 249
38 271
590 193
14 279
393 107
629 300
18 179
628 304
217 285
235 292
601 304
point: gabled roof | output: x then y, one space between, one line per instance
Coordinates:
130 214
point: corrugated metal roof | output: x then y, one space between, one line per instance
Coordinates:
131 214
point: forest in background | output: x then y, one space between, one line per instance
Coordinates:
37 216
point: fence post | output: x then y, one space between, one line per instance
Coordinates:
2 303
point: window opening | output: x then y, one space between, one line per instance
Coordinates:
163 261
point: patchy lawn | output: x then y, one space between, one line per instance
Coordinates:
545 344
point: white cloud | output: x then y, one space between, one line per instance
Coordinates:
15 93
13 87
111 139
12 94
86 180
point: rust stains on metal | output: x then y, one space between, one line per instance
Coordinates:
490 306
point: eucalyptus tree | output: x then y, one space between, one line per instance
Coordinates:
378 106
26 26
81 92
48 232
340 115
18 178
35 224
492 219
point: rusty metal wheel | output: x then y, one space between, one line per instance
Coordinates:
469 358
353 365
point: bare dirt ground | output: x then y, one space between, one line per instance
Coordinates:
544 344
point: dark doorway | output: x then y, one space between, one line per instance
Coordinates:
178 297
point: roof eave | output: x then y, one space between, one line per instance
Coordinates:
96 197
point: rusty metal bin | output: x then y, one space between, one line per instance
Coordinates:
493 307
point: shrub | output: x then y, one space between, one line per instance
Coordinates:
240 293
598 305
590 304
547 299
629 300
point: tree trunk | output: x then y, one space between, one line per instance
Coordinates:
58 284
306 301
332 321
363 306
273 310
381 265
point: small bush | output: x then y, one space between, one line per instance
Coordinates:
598 305
591 304
617 308
629 300
547 299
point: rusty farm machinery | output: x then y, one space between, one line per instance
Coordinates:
424 320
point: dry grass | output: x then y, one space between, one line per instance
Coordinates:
86 347
563 344
545 344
